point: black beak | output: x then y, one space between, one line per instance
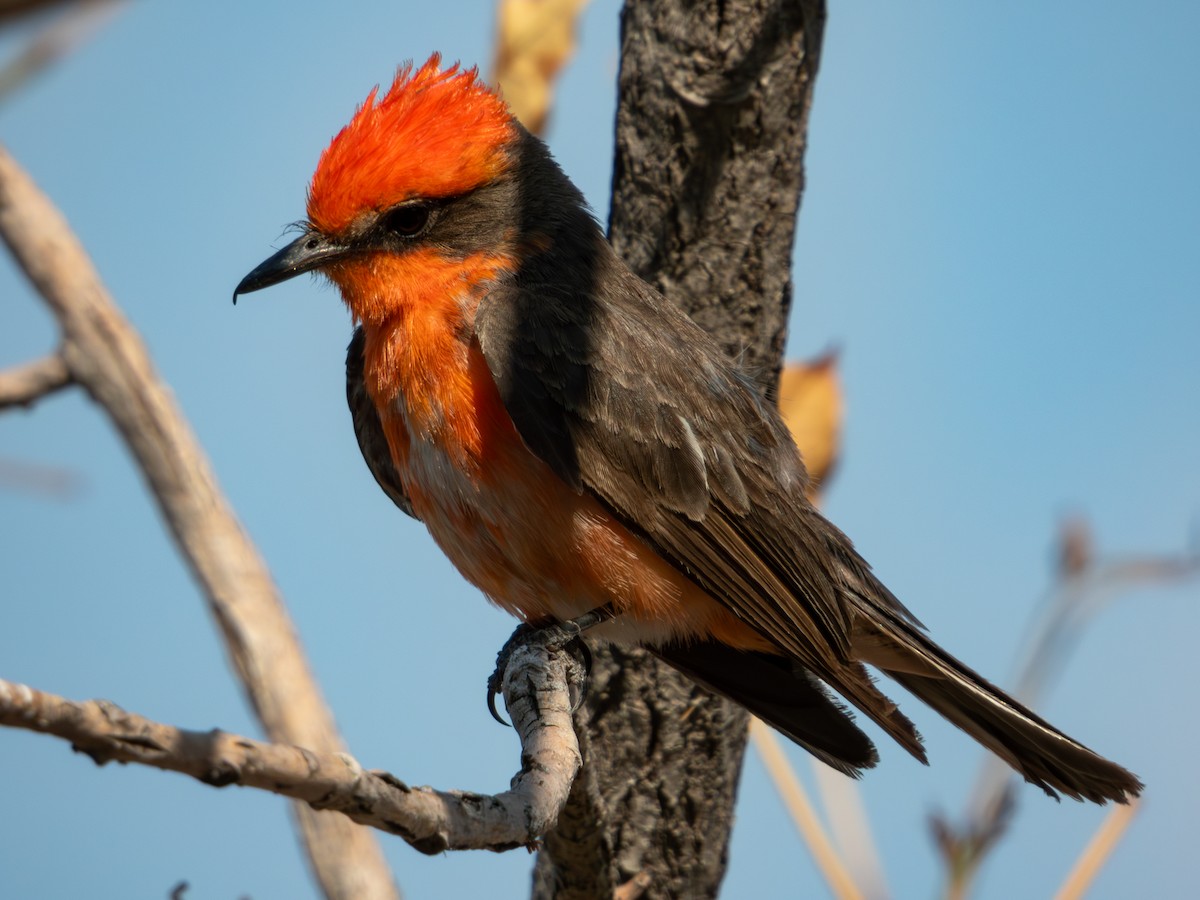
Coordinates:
309 251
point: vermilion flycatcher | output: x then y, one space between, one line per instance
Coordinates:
572 440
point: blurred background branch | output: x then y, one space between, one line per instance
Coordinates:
67 25
1098 850
25 385
105 356
1084 586
812 831
811 400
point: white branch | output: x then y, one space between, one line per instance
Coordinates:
535 689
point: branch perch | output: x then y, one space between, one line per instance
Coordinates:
537 690
104 355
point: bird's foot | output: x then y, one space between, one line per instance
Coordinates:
556 637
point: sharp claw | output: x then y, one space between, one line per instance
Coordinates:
491 703
555 637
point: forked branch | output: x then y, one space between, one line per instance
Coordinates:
26 384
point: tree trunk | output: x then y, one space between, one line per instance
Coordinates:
711 124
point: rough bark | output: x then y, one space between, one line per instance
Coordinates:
713 111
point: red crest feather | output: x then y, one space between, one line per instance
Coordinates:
433 134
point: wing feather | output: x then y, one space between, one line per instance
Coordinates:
368 430
625 397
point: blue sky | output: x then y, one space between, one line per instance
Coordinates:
1000 231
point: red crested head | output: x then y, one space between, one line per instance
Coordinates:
434 134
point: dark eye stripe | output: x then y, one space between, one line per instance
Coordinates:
406 221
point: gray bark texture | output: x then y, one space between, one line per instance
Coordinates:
710 138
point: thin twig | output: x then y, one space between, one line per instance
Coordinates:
14 10
24 385
1079 597
795 798
105 356
536 689
850 827
1084 588
35 478
71 27
1098 850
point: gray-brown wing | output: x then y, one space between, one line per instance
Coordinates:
625 397
367 429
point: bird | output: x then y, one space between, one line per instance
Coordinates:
574 442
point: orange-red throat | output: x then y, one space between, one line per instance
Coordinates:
417 310
435 137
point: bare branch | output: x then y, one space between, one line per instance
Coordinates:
12 10
49 481
27 384
1098 850
107 358
841 798
1084 588
536 690
791 791
71 27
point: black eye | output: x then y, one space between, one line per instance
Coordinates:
406 221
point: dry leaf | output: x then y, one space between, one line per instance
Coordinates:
810 398
534 40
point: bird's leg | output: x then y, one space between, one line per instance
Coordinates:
555 637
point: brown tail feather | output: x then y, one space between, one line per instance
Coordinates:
1033 747
856 685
